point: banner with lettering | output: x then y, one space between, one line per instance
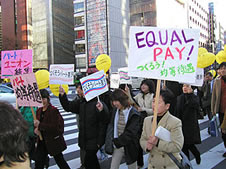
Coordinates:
167 54
114 80
61 74
94 85
26 90
124 77
16 62
199 78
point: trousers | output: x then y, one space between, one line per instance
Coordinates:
41 156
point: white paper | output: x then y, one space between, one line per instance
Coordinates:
163 134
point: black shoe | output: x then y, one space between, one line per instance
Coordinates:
198 160
224 155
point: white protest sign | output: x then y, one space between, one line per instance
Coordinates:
114 80
199 78
94 85
124 77
61 74
26 90
167 54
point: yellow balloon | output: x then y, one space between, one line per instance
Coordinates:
42 78
205 60
103 62
213 72
221 57
54 88
225 48
202 51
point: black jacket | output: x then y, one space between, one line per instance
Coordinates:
93 124
187 110
129 139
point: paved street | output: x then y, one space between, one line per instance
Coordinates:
211 148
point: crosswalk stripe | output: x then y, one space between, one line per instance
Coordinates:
69 116
71 136
70 128
70 121
210 158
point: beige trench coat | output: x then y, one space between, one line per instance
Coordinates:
158 158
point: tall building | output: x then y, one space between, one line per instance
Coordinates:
101 27
143 13
80 36
211 28
198 19
219 37
158 13
53 34
16 24
225 37
0 27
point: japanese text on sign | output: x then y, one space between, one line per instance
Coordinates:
26 90
61 74
124 77
94 85
169 54
16 62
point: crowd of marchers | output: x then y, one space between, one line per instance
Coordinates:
119 124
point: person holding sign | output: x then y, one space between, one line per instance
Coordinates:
187 109
157 146
13 134
51 126
123 131
93 120
31 138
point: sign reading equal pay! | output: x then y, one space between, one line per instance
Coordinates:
61 74
167 54
94 85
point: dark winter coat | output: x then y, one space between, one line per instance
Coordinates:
93 124
129 139
187 109
51 131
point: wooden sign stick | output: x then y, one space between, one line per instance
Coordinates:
154 122
34 117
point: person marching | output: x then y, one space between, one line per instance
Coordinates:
122 139
187 109
93 121
157 147
50 125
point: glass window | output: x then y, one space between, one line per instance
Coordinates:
4 89
78 7
80 49
80 34
79 21
81 62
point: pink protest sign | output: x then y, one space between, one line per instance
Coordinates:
16 62
26 90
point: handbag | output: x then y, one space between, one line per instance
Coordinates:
214 125
184 163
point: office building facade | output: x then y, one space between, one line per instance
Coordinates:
53 34
101 27
16 24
